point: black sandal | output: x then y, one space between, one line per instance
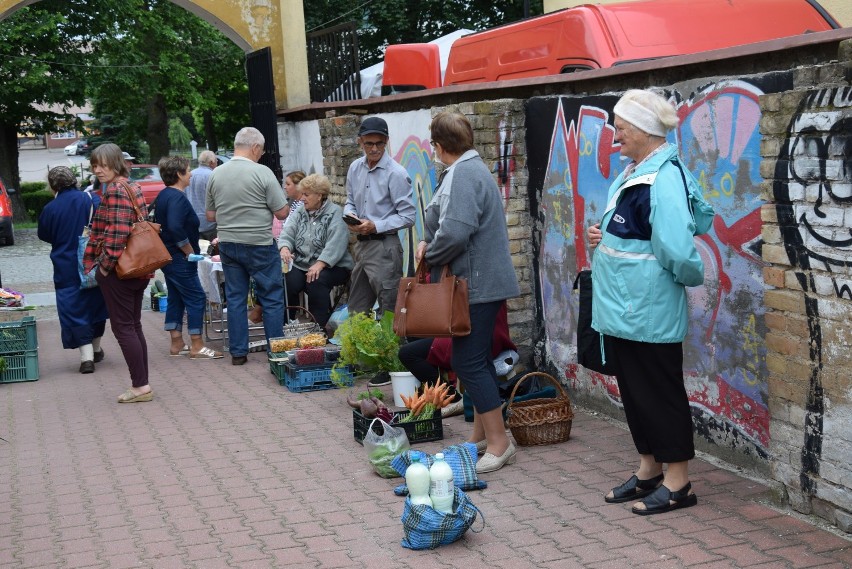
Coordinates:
664 500
634 489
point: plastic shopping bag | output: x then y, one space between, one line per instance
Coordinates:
383 447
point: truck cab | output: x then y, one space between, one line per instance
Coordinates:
593 36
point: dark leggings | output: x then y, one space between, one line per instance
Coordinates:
123 300
319 291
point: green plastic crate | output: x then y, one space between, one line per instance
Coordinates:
20 367
18 336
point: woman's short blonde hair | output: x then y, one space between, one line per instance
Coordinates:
110 156
315 184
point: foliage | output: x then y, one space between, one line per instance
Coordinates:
179 136
368 344
140 62
30 187
40 48
35 202
385 22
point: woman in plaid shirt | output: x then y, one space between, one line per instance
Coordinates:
111 226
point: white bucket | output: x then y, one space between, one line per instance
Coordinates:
404 383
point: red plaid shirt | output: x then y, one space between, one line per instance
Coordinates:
111 225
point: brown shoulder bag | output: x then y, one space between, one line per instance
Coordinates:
144 252
432 310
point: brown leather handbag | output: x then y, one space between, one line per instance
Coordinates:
432 310
144 252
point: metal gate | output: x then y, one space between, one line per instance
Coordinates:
333 68
262 105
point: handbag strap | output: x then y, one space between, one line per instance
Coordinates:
132 198
91 210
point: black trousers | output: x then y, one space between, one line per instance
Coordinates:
650 379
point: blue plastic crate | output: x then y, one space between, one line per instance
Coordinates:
299 379
18 336
20 367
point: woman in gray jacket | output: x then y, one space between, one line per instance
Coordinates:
465 228
316 242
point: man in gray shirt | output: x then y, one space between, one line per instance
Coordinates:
242 197
197 193
378 204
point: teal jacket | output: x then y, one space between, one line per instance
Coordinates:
647 255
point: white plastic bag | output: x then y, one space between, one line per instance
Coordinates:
383 448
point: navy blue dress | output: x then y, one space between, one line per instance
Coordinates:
82 312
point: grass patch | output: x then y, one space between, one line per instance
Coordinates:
25 225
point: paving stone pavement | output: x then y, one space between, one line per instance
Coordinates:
225 468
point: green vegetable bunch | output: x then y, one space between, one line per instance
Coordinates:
368 344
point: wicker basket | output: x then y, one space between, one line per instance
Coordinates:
540 421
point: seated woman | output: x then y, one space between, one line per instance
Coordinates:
316 242
425 358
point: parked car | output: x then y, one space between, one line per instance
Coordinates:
148 178
83 147
7 232
79 148
221 159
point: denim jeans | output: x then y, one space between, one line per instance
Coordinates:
185 294
240 263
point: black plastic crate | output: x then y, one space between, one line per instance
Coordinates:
421 431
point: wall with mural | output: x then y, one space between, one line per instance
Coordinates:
810 246
572 161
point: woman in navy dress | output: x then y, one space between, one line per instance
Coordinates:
179 227
82 312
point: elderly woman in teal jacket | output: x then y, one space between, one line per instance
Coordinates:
644 258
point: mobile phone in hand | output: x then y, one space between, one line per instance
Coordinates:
351 219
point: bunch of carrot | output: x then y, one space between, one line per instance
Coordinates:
423 405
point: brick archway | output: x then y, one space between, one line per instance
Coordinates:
251 24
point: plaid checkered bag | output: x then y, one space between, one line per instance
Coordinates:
427 528
461 458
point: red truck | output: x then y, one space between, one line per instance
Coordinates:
593 36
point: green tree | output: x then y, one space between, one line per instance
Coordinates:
166 60
179 135
139 62
38 69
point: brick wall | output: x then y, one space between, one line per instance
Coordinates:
807 164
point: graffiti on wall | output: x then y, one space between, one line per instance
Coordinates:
813 190
719 140
415 155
